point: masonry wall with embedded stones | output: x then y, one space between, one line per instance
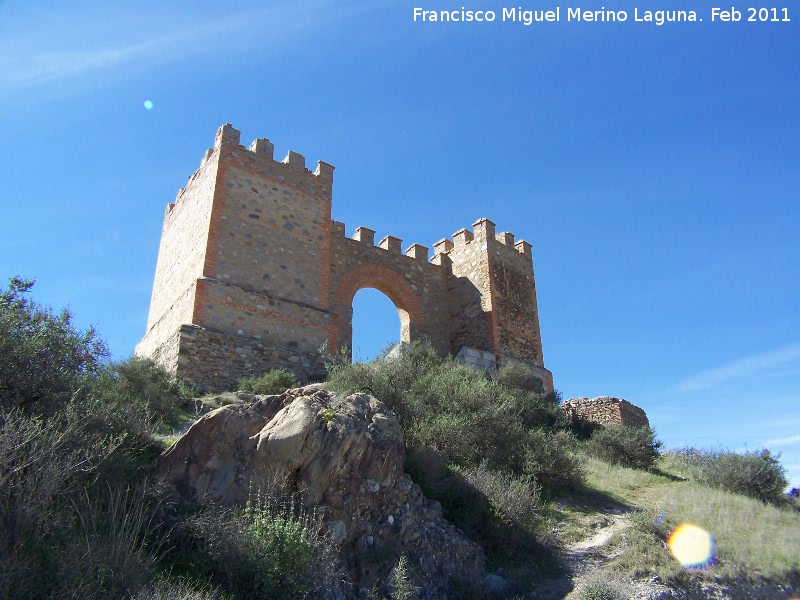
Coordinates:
415 286
254 274
605 411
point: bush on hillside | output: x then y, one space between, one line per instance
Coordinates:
514 500
136 394
44 464
636 448
387 379
496 510
72 435
757 474
482 446
270 549
465 418
552 459
46 359
513 375
275 381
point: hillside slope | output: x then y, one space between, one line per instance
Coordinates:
614 539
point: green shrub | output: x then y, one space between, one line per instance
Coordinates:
514 500
273 382
45 358
138 395
582 429
551 458
603 587
539 411
514 375
757 473
631 447
466 419
266 550
388 380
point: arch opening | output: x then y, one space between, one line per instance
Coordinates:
377 324
397 291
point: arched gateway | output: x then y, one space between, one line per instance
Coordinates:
254 274
398 290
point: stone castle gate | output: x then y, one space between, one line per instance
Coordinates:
253 274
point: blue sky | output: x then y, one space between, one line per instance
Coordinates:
654 169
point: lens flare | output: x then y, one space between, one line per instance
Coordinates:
148 105
692 546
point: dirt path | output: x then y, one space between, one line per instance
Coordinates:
582 558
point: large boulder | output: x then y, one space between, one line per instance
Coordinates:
344 458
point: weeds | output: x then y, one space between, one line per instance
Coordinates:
604 587
270 549
175 588
400 587
111 555
273 382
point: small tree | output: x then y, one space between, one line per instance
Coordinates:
626 446
45 357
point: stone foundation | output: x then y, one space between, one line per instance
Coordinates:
213 361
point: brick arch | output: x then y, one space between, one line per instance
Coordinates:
399 291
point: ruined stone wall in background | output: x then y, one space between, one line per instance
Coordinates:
605 410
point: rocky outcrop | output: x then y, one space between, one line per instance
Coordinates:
344 458
605 410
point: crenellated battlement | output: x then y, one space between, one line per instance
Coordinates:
391 244
228 139
483 232
259 158
249 251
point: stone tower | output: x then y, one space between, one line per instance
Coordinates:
253 274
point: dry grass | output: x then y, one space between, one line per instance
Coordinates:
628 486
751 538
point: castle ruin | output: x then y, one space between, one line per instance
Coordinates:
253 274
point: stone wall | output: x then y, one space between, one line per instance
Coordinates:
469 290
249 252
605 410
181 257
415 286
214 360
